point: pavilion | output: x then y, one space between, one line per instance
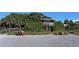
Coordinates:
48 23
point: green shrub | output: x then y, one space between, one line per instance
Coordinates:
60 32
75 32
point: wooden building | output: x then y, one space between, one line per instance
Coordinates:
48 23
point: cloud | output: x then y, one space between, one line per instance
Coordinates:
75 20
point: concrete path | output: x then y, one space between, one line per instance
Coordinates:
39 41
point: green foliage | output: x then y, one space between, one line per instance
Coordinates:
58 26
56 32
29 22
66 21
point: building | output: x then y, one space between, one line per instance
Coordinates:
48 23
65 25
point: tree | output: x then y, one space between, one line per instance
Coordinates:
66 24
66 21
71 23
58 25
27 22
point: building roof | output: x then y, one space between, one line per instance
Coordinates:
46 19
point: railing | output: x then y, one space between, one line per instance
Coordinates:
7 30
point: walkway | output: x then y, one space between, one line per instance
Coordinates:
39 41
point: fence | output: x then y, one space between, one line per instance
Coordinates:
8 30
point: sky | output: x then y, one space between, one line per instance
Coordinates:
59 16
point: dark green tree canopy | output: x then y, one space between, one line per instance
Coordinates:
66 21
30 21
